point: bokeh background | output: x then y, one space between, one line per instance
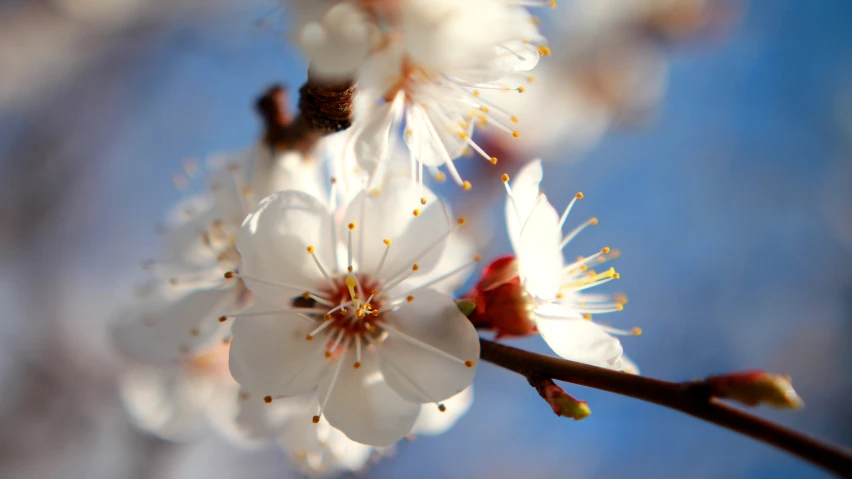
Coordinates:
731 203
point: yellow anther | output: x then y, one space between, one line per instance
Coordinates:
422 201
620 298
375 192
414 267
483 109
619 307
229 275
440 176
587 316
306 295
416 212
466 185
636 331
386 241
493 160
505 178
616 276
584 267
359 313
315 419
309 337
543 50
409 298
593 221
267 399
579 195
475 93
328 354
311 249
516 134
351 226
468 363
530 78
357 365
461 220
605 250
553 3
514 119
521 89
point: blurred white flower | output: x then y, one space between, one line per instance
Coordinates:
348 287
560 309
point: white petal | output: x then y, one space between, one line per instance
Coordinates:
365 408
418 373
389 215
581 340
271 357
273 242
432 421
168 402
525 191
163 333
250 421
539 251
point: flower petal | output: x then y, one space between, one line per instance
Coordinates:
390 215
539 251
364 407
273 243
581 340
415 371
271 357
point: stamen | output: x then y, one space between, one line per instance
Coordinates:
387 243
322 326
578 196
311 251
357 364
296 287
416 342
573 234
334 376
443 277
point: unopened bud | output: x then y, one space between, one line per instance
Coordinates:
562 403
756 387
499 272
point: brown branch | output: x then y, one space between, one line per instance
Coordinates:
323 108
693 398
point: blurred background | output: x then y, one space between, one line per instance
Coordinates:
723 174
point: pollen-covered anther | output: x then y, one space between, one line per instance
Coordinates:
466 185
504 178
229 275
543 50
357 365
521 89
222 319
442 408
468 363
315 419
409 298
351 226
422 201
309 337
493 160
587 316
516 134
605 250
636 331
579 195
416 212
267 399
439 177
461 220
593 221
328 354
414 267
386 241
311 249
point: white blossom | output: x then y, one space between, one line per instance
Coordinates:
562 310
356 316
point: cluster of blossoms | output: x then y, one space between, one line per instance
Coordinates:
307 299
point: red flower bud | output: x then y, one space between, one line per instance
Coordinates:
502 304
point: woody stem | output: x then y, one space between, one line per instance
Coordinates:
693 398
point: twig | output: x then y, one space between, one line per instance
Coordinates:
323 108
693 398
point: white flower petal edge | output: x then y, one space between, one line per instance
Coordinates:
434 421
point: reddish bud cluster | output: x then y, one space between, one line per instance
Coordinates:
501 302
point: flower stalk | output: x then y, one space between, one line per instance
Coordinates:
695 398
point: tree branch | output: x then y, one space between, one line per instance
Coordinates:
694 398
